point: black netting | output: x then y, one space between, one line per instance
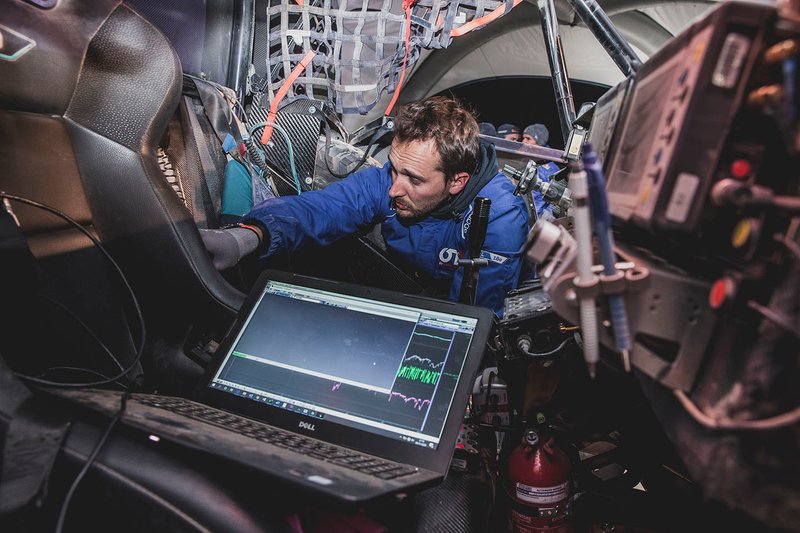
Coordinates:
359 44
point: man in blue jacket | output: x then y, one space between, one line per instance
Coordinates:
538 134
422 197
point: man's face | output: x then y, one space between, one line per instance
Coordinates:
528 139
513 137
418 186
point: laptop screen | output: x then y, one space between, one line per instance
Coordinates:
382 367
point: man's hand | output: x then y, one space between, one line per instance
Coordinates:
228 246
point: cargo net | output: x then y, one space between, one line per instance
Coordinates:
358 46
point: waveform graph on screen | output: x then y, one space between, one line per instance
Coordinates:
416 403
422 369
426 356
419 368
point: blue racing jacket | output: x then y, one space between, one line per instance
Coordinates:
546 169
431 246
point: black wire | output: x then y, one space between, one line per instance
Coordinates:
276 172
551 352
79 369
140 347
498 427
255 154
74 369
124 371
488 391
89 461
361 162
87 329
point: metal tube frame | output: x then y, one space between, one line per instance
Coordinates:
598 22
558 67
241 46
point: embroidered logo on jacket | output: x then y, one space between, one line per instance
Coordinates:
496 258
448 258
466 223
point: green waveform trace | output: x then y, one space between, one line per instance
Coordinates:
414 373
433 336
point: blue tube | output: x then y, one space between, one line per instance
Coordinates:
605 238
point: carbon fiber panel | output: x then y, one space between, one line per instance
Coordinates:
297 119
461 504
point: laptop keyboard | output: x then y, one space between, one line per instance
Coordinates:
367 464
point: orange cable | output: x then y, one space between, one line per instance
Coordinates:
407 8
273 108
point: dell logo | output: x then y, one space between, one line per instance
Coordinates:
307 425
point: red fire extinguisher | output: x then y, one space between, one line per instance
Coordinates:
538 485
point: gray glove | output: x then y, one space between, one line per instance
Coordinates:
228 246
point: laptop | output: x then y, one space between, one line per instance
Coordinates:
348 391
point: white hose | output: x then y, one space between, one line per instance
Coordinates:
584 261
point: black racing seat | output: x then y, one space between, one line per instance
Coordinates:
87 90
82 112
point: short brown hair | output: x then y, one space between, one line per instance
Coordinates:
450 124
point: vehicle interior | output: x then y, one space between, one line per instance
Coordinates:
119 121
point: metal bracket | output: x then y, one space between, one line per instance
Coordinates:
479 262
628 278
382 123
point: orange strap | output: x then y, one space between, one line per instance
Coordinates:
486 19
407 8
273 108
255 229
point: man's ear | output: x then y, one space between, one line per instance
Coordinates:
457 183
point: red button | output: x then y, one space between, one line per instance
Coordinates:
719 293
741 168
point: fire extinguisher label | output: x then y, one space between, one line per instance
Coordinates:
552 494
522 523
